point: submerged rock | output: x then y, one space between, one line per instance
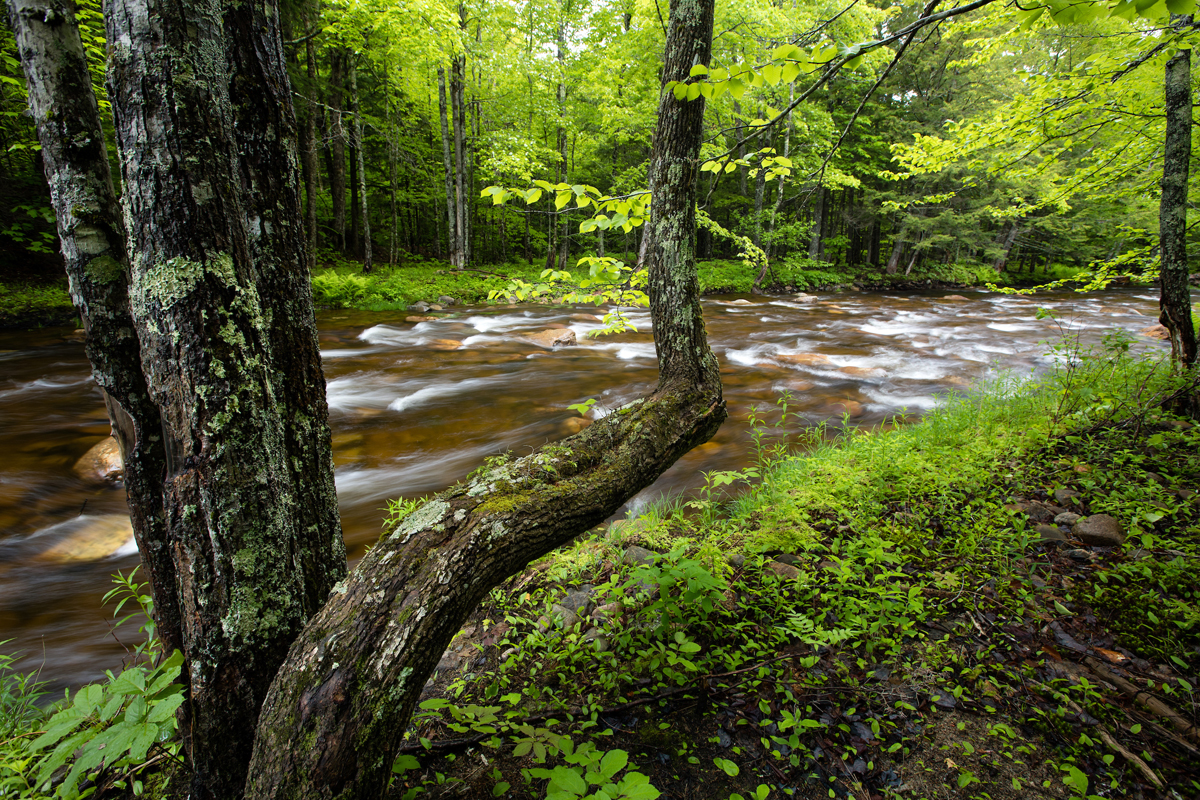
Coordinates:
1156 332
553 338
87 538
101 463
805 359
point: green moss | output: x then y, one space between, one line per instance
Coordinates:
104 270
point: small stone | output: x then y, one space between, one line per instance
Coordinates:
1066 497
552 338
788 558
944 700
1185 494
607 613
736 560
420 318
101 463
566 617
575 424
805 359
1099 530
445 344
434 307
578 601
544 623
1159 479
447 300
639 556
420 307
1066 518
954 297
1080 554
785 571
1050 533
723 739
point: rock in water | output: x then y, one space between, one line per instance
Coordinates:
420 307
446 300
553 338
101 463
1099 530
87 539
1157 332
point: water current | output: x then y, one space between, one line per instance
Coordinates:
416 406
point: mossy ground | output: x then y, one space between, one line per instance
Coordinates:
25 304
889 624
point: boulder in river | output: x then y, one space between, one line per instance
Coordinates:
419 307
1157 332
851 407
447 300
954 297
101 463
87 538
864 372
445 344
420 318
551 339
805 359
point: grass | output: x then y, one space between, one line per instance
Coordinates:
876 611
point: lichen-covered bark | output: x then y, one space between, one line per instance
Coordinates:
90 230
337 712
220 302
1176 302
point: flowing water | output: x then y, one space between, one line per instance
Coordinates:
415 407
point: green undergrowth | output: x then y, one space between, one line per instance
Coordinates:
874 615
35 304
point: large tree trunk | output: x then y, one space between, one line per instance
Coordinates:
337 145
222 307
359 144
1006 242
1175 300
340 705
90 231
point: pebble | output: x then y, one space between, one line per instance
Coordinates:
1066 518
1066 496
1081 555
737 560
638 556
1050 533
785 571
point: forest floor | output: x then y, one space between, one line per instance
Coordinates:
999 601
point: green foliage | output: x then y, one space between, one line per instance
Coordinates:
34 304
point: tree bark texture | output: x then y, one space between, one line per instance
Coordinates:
1175 302
364 209
462 207
339 707
220 300
76 165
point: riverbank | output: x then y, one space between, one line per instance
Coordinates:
910 612
999 601
25 305
340 283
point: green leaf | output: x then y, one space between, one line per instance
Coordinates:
680 90
693 91
1181 6
613 762
568 779
699 69
405 763
561 200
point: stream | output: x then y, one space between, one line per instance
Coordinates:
415 407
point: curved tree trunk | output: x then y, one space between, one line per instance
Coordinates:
1176 301
220 301
338 710
90 229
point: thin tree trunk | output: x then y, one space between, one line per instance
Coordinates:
337 145
1006 244
310 151
222 307
818 229
359 146
338 710
458 79
1175 301
453 245
893 263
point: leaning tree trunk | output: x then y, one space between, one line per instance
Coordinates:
1176 301
338 710
221 305
90 229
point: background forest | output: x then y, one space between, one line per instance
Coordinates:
997 144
